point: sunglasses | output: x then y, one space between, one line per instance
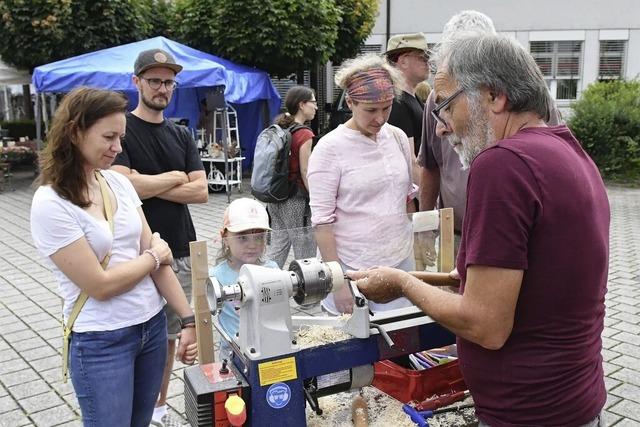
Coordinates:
435 113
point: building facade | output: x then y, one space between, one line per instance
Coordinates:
575 42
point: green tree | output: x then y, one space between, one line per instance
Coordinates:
32 31
36 32
279 36
357 18
606 119
158 14
100 24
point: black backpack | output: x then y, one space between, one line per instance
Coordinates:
270 176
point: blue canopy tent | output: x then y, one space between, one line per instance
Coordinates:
247 89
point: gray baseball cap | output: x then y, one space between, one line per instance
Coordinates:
154 58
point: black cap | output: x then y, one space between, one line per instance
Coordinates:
154 58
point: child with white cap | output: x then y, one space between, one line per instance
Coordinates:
245 232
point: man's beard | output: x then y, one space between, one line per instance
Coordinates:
149 103
477 136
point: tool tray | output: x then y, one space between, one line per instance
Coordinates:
407 385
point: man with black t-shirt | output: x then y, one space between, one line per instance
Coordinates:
408 53
161 160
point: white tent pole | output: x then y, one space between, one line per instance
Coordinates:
38 124
7 104
45 116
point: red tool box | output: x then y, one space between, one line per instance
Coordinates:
441 385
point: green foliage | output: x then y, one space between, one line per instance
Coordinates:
157 14
279 36
20 128
606 120
32 30
357 18
99 24
36 32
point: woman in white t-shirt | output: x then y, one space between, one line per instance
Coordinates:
119 341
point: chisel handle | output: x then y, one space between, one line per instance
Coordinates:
435 279
359 412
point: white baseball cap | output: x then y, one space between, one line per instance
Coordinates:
245 214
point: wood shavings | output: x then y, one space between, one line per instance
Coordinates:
315 335
344 317
384 411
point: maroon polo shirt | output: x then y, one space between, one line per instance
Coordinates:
536 202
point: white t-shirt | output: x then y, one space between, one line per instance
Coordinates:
56 223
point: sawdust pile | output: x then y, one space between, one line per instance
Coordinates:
383 410
315 335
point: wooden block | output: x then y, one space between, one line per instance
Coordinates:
199 276
446 256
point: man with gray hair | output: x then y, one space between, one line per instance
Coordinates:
442 179
533 258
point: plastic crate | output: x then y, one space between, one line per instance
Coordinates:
409 385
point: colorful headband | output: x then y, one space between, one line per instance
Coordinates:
374 85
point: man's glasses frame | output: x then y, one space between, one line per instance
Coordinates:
435 113
155 84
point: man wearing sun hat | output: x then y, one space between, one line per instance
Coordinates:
408 53
162 162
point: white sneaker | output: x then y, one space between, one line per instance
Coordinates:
168 420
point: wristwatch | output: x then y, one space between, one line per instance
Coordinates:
188 320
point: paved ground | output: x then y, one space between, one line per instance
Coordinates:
31 392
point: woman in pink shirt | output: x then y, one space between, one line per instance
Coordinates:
359 180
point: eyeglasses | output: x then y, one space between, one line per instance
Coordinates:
435 113
313 102
249 238
155 84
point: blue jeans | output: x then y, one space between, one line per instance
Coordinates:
117 374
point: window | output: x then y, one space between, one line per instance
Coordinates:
612 54
282 85
560 64
366 48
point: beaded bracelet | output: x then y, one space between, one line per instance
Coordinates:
155 257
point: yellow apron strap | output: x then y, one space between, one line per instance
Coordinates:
83 297
106 199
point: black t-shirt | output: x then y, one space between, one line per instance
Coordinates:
155 148
406 114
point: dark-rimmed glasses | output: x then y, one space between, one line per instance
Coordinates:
435 113
155 84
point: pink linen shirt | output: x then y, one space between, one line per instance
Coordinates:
361 186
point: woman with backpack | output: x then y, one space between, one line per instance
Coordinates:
290 217
360 182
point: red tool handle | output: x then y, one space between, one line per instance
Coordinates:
440 401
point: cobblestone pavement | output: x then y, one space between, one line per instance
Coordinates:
31 391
